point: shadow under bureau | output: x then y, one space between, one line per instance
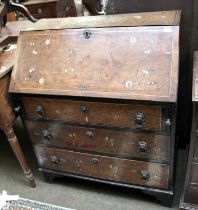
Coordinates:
98 98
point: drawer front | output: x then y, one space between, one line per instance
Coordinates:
121 115
191 196
43 10
196 148
156 147
66 8
194 172
115 169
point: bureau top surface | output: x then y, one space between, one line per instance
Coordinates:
121 20
139 63
195 78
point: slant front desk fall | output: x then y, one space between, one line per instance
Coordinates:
98 97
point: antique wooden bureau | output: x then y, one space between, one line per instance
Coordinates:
98 97
189 198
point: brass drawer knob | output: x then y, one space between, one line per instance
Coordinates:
17 109
66 10
90 134
39 10
40 111
144 175
84 109
54 160
139 119
47 135
168 122
95 161
143 146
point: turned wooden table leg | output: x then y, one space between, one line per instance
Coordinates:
13 141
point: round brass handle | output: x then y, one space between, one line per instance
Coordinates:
139 119
142 146
54 160
95 161
90 134
168 122
39 10
40 111
84 109
67 8
17 109
144 175
47 135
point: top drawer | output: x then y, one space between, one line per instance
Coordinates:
96 113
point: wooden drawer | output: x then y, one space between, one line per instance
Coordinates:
66 8
155 147
196 148
96 113
191 196
43 10
194 172
115 169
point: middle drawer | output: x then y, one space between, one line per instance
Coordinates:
140 145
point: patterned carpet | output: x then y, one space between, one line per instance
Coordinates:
24 204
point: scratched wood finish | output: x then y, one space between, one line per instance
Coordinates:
103 167
154 147
131 73
103 57
121 115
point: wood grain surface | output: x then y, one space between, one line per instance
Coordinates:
128 144
130 63
97 113
115 169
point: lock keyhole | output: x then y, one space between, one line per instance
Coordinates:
87 34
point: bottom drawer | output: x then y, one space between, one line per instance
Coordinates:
194 172
109 168
191 195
